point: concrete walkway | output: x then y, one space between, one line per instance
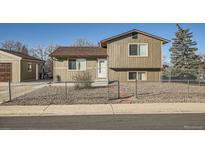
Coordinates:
103 109
18 89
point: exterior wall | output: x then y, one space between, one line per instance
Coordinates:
118 53
30 76
123 75
61 72
15 62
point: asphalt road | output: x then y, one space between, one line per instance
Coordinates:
107 122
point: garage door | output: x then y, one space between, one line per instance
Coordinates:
5 72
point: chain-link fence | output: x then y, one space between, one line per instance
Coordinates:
69 92
171 74
178 91
184 86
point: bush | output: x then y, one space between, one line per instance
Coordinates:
83 80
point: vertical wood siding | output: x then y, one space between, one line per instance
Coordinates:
123 75
29 76
61 69
118 57
118 53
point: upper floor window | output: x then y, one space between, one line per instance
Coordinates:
77 64
139 50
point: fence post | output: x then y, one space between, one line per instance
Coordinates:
188 89
199 77
136 94
170 75
9 84
66 93
108 90
118 90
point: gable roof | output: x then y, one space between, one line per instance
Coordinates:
79 52
105 41
20 54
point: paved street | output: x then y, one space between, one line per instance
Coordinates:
110 122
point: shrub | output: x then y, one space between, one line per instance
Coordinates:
83 80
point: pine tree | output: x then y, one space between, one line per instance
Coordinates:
183 56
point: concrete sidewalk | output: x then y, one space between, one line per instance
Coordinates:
103 109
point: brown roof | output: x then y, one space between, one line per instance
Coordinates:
80 52
20 54
105 41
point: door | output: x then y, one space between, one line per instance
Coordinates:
102 68
37 75
5 72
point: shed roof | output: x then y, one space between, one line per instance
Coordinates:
22 55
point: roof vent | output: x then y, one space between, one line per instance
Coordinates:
134 35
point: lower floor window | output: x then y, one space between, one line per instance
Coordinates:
77 64
137 75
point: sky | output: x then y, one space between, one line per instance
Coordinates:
65 34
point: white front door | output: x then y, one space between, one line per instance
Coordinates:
37 72
102 68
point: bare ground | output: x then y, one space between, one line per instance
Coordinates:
147 92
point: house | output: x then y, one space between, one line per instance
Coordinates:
18 67
124 57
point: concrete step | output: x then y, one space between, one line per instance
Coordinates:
100 82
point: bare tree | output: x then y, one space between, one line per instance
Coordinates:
14 46
38 52
83 43
49 61
43 53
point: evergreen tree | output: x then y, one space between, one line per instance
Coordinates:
183 56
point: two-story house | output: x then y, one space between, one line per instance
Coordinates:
126 57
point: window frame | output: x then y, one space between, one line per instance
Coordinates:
147 55
29 63
137 75
77 69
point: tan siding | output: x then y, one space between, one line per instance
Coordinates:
118 53
29 76
123 75
60 69
15 62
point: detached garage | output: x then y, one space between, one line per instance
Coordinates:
18 67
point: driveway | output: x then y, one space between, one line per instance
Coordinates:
18 89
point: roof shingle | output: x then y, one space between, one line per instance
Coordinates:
80 52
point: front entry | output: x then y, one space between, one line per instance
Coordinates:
102 68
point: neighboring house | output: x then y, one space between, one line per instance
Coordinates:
18 67
124 57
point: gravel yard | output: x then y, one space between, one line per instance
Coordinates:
148 92
57 95
159 92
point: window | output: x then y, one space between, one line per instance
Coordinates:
132 75
29 67
72 64
138 49
137 75
77 64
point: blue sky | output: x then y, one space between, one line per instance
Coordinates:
66 34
